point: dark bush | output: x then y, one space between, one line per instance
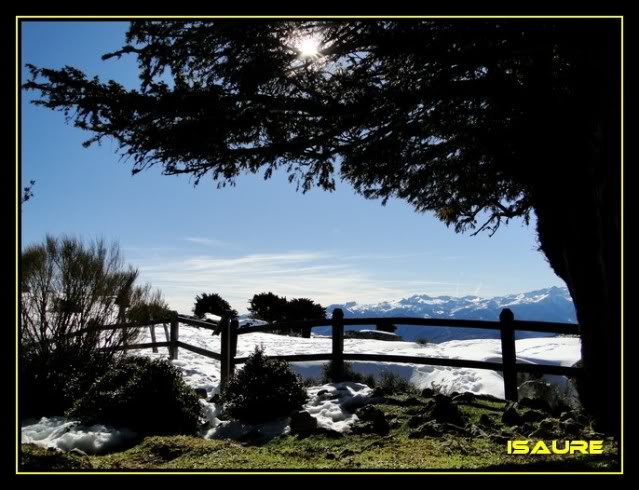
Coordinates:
330 375
386 327
423 341
392 383
145 395
264 389
214 304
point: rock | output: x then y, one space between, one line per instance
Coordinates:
303 423
486 420
429 429
201 393
511 416
466 397
78 452
532 416
412 401
571 427
557 398
372 334
215 398
378 392
346 453
565 416
548 424
331 456
442 410
534 403
428 393
371 420
322 392
476 431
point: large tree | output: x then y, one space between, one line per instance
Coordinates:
479 121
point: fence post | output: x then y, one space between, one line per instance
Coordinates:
508 354
225 350
175 336
233 326
338 342
152 327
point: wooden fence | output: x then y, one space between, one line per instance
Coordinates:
228 329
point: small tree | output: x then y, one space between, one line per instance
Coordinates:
214 304
299 309
268 307
386 327
264 389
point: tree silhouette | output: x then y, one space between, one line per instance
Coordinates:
27 192
268 307
299 309
214 304
479 121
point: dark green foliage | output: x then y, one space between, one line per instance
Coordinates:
392 383
272 308
51 381
331 375
28 192
387 327
268 307
264 389
214 304
145 395
299 309
423 341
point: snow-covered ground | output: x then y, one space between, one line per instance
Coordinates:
329 404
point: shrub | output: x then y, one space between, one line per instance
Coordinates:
263 389
214 304
393 383
386 327
273 309
148 396
67 290
330 375
423 341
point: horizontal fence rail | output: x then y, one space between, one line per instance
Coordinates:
524 325
229 330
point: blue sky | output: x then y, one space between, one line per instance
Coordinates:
258 236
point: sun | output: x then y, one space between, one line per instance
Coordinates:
308 47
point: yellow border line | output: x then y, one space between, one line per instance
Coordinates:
125 17
17 240
292 472
621 436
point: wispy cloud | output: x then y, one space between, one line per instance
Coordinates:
323 276
209 242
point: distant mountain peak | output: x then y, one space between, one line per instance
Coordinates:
551 304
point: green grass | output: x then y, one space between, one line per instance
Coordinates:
351 452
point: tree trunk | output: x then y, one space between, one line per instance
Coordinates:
583 248
576 194
578 207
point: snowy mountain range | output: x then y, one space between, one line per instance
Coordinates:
551 305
